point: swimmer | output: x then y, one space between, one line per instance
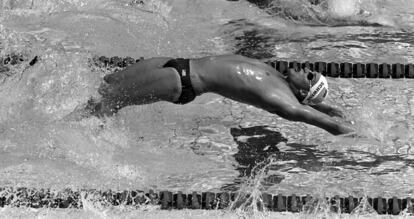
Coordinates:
297 96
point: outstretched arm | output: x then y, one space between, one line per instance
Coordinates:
328 109
294 111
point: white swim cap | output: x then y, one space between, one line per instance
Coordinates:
318 91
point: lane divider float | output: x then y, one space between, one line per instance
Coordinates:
350 70
332 69
167 200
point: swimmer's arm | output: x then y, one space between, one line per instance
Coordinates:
303 113
314 117
329 109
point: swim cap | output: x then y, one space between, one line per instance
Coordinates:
318 90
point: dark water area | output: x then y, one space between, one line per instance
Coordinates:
251 39
258 145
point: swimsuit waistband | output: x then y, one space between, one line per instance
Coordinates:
183 68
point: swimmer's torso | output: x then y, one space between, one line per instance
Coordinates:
240 78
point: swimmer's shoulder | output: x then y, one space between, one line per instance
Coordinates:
225 61
229 59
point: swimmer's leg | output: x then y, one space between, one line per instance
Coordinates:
132 87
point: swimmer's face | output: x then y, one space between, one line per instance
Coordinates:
300 79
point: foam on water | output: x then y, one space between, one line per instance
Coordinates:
342 9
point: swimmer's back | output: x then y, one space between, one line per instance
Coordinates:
238 77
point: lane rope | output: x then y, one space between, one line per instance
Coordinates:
350 70
167 200
331 69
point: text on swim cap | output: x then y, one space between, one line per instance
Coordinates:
315 92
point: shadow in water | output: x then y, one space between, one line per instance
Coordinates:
257 144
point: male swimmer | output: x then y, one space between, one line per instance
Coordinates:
298 96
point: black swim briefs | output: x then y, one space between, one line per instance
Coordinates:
183 68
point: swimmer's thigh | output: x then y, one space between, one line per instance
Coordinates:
137 68
130 87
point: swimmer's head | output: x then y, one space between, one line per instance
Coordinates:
313 86
318 88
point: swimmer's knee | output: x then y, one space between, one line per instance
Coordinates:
111 79
104 89
108 79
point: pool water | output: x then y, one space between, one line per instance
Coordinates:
213 143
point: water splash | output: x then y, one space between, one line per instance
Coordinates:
249 201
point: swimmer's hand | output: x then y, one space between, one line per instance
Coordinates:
336 112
